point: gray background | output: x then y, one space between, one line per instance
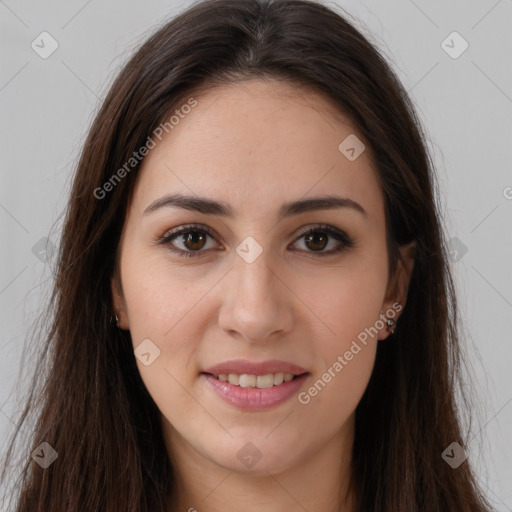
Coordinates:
465 104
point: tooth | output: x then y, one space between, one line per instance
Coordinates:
234 379
278 379
265 381
247 381
260 381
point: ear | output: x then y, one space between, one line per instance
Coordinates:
119 303
396 296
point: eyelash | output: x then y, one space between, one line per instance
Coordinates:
347 241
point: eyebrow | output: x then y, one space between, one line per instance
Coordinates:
220 208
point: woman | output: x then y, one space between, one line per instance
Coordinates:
252 217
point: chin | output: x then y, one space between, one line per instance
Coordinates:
258 457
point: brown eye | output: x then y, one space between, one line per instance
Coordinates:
316 239
192 238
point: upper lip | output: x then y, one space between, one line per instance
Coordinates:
244 366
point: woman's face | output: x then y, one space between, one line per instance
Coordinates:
254 288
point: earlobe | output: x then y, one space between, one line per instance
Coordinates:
397 294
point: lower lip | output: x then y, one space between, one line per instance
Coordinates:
255 399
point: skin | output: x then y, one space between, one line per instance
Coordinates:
256 145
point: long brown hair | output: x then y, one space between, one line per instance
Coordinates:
92 406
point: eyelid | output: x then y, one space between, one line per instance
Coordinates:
171 233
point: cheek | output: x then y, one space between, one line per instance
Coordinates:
159 305
162 306
159 296
350 306
349 303
332 396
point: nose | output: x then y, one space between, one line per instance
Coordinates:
257 303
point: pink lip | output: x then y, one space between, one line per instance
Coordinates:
255 399
241 366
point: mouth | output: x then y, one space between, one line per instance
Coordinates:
251 392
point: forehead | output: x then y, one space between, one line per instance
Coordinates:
256 144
